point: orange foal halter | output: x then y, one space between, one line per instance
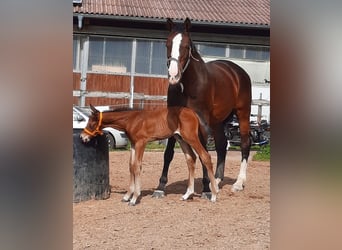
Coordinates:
97 130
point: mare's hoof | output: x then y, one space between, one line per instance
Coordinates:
123 200
206 195
158 194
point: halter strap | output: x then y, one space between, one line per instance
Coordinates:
187 63
97 130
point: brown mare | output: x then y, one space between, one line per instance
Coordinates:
214 90
142 126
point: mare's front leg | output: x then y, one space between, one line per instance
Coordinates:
190 159
168 156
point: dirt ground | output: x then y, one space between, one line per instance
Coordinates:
236 221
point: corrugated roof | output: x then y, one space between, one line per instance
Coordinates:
255 12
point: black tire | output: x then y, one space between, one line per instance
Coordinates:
111 141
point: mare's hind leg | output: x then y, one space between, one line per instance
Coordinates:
190 159
245 149
168 156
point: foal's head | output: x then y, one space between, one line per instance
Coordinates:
178 46
94 125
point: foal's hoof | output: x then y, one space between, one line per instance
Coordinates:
187 197
237 188
206 195
158 194
132 204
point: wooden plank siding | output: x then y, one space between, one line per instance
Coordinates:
108 83
149 86
76 81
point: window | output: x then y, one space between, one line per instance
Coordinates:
76 53
257 53
151 57
159 59
109 55
143 57
212 50
236 51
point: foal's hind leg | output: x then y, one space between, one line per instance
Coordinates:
245 149
135 170
193 139
190 158
206 161
131 186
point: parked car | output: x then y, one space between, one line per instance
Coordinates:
116 138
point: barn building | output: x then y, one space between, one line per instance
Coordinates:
119 53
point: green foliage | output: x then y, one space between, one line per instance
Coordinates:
263 154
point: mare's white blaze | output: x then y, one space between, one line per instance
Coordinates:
173 68
238 185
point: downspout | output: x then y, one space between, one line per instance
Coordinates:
131 90
80 21
84 68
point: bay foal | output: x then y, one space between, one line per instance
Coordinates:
143 126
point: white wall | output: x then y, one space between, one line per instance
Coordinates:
258 72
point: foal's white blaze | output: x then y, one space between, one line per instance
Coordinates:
173 68
84 137
238 185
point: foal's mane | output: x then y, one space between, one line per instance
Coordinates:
122 109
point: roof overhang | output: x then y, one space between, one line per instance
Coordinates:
163 21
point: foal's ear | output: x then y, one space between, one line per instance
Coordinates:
187 24
169 24
93 109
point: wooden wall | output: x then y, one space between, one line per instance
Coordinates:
120 83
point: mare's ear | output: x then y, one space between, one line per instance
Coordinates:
187 24
93 109
169 24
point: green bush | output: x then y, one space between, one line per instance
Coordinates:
263 154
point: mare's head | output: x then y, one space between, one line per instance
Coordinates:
93 127
178 46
